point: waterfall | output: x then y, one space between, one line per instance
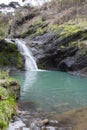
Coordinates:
30 63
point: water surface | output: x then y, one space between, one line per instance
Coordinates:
52 90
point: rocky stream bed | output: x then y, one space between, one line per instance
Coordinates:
70 120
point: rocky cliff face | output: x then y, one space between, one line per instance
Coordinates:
58 43
66 52
55 52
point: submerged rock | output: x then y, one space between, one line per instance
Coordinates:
42 123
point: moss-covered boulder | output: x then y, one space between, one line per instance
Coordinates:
10 56
7 107
12 86
7 99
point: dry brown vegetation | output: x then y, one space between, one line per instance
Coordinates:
59 11
55 12
65 10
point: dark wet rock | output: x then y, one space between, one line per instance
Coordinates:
56 52
74 63
42 49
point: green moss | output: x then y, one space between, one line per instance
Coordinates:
36 28
3 93
9 84
6 112
7 101
39 31
3 121
65 29
62 47
3 74
69 30
55 28
10 56
7 108
72 44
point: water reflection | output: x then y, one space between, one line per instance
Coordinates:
29 80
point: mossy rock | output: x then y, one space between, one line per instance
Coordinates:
36 28
4 74
6 112
3 93
3 121
7 109
11 85
7 100
10 56
65 29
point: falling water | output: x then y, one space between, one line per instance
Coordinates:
30 63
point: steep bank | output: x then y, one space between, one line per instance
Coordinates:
9 91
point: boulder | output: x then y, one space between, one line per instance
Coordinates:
42 122
14 87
